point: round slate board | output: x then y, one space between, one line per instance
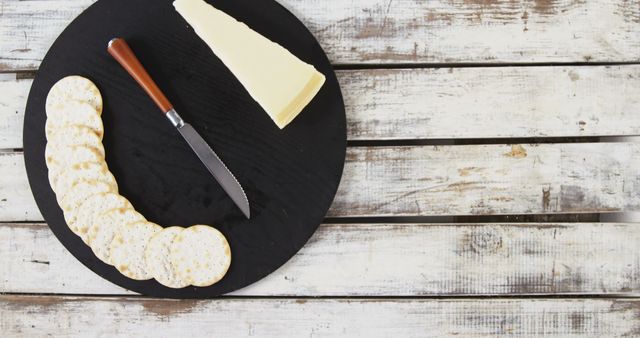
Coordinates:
290 176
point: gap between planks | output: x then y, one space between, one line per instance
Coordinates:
367 66
542 296
31 74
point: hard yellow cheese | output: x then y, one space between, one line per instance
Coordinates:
280 82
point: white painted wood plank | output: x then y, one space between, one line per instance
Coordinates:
489 179
492 102
406 31
386 260
400 31
27 316
455 103
16 199
446 180
29 250
13 100
29 28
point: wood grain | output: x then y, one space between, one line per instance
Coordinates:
499 102
446 180
386 260
16 200
400 31
12 105
64 316
456 103
489 179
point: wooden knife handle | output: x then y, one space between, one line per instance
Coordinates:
120 50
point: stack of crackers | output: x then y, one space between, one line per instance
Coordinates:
107 222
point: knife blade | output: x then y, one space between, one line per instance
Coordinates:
212 161
121 51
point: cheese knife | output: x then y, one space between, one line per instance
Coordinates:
120 50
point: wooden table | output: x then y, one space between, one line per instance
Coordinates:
459 113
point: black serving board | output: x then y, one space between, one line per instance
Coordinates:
290 176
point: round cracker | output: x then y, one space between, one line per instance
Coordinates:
157 258
79 172
80 222
74 88
73 155
106 225
75 135
71 203
58 159
200 255
128 247
64 157
74 113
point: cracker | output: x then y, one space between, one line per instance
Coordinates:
200 255
74 88
80 222
106 225
58 159
79 172
71 203
66 156
128 247
74 155
75 135
74 113
157 258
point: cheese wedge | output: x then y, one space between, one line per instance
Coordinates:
280 82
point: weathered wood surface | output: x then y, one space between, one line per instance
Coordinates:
13 100
389 259
455 103
134 317
489 179
386 260
446 180
400 31
16 199
492 102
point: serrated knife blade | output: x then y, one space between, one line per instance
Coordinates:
214 164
